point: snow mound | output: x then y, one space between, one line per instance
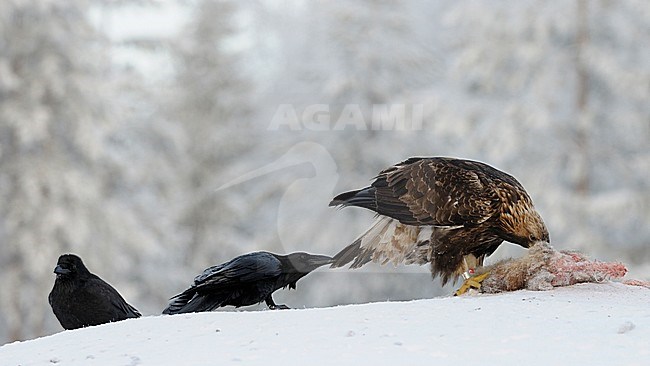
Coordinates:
595 324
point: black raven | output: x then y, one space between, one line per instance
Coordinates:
246 280
80 298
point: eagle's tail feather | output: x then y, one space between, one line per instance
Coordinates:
347 255
364 197
386 241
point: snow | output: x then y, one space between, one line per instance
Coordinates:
595 324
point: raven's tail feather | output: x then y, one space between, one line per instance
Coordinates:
177 302
192 302
132 312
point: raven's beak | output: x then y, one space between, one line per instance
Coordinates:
320 260
61 271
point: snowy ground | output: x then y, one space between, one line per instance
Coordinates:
590 324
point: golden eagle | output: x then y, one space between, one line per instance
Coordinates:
449 212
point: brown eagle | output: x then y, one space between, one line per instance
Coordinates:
449 212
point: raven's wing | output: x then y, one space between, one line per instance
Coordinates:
207 292
246 268
112 299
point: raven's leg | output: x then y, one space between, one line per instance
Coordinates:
271 304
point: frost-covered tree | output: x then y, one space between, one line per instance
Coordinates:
78 173
552 91
52 123
375 53
210 101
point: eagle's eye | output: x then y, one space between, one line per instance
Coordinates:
532 237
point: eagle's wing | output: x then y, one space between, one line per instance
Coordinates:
436 192
419 198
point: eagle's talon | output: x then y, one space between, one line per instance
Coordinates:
471 282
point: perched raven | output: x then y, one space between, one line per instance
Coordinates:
80 298
246 280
